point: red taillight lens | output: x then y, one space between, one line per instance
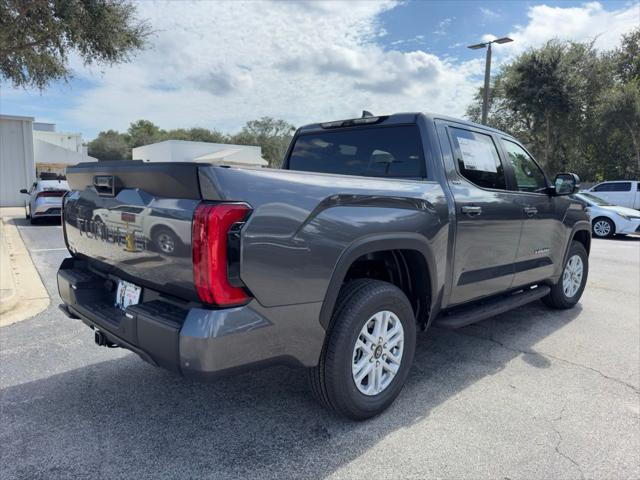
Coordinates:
52 193
211 222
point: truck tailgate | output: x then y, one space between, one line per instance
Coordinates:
133 220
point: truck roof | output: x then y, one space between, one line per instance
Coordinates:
400 118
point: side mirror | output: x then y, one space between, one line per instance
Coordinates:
24 190
566 183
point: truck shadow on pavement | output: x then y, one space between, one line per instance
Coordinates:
123 418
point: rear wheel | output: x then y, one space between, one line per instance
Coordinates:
567 292
368 351
603 227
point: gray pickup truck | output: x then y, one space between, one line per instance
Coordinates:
374 227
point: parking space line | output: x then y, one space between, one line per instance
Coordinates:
36 250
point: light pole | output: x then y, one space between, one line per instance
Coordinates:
487 72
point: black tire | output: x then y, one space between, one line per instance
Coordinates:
612 227
331 382
33 221
557 298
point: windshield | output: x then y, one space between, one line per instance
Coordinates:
593 199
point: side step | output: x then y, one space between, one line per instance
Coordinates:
469 315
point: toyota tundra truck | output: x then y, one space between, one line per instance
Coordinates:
373 228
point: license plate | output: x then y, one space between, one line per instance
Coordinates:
127 294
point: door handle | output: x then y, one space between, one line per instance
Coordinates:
530 211
471 210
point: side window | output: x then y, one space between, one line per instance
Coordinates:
603 187
529 177
620 187
477 158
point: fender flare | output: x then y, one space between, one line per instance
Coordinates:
370 244
582 225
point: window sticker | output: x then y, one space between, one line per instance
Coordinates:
477 155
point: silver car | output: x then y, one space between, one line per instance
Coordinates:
45 199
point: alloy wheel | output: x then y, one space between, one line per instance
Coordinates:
377 353
572 276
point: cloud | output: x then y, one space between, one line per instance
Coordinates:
219 64
489 14
587 22
443 26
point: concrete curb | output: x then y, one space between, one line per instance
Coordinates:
8 296
26 295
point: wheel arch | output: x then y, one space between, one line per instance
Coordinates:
413 253
583 236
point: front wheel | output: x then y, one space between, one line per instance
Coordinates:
368 352
603 227
567 292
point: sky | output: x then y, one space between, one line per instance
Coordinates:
219 64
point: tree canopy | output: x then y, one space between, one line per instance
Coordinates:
575 108
38 36
272 135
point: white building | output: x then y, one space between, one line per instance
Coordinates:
17 165
29 148
205 152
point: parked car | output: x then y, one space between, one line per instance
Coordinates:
373 228
45 199
608 220
155 224
625 193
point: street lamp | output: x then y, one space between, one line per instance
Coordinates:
487 72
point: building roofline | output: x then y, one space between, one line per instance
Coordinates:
16 117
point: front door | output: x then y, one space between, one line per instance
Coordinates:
488 219
543 233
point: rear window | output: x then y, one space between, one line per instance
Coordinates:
394 152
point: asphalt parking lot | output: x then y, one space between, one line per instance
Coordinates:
532 393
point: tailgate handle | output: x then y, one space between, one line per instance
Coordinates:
105 185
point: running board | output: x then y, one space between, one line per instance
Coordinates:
469 315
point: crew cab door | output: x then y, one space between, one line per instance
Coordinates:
542 242
488 219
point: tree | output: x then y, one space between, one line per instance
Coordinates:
204 135
272 135
574 108
110 145
144 132
619 114
627 57
37 37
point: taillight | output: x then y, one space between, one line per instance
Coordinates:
51 193
211 223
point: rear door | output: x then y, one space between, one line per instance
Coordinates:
488 220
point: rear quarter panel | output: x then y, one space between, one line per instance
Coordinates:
303 222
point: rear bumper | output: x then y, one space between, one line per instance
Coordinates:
42 208
187 339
